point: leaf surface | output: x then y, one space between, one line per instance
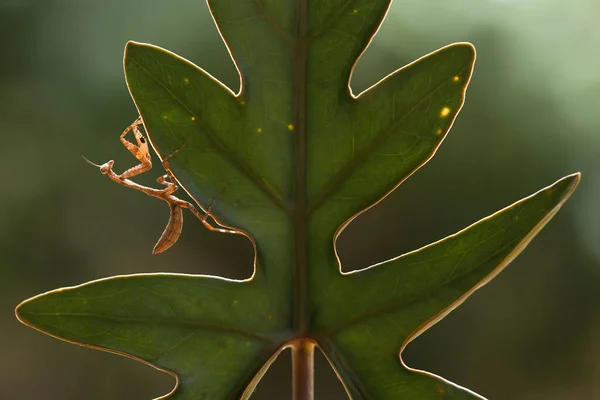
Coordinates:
296 156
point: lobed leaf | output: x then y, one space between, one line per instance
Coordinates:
296 156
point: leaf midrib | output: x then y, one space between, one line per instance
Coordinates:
300 267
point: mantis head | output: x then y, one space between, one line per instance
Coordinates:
104 168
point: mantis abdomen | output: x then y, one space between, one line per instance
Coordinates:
172 231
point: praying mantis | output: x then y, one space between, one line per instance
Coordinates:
141 152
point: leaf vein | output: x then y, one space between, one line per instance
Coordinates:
340 177
236 159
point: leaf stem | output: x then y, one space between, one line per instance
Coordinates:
303 369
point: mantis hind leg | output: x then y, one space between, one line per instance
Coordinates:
204 218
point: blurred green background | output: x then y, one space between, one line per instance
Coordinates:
531 116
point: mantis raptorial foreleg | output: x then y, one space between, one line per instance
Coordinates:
176 205
139 151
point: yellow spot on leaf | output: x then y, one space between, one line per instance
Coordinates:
456 78
259 130
291 127
516 217
355 12
193 118
186 80
439 132
242 102
270 316
439 389
235 302
445 112
165 117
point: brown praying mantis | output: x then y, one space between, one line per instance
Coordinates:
176 205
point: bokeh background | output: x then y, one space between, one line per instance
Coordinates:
531 116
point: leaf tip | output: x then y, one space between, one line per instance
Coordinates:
567 185
467 47
576 176
131 44
130 48
21 311
466 53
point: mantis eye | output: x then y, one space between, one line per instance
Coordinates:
142 139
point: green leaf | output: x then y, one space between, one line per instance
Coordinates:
296 156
